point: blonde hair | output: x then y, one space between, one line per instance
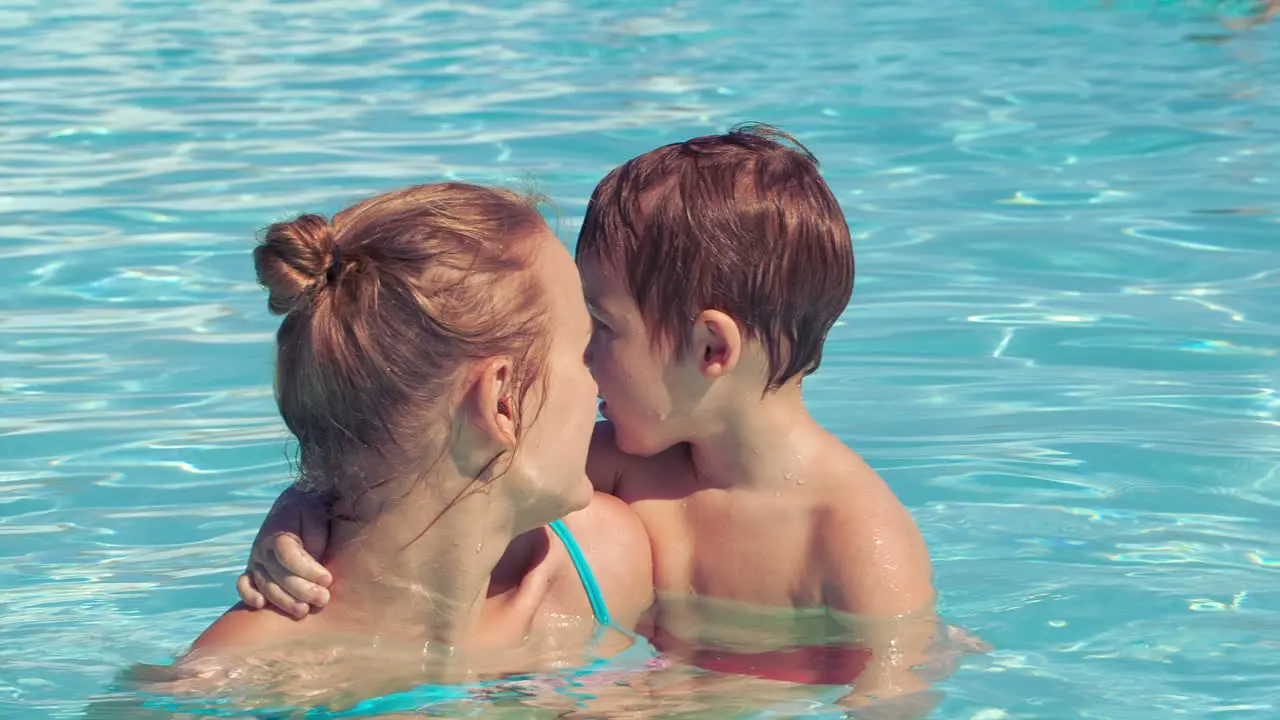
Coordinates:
382 307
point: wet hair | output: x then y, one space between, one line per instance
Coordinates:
383 307
742 223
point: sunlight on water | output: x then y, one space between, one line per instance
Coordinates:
1062 352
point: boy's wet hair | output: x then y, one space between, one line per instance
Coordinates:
742 223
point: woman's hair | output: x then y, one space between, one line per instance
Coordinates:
383 306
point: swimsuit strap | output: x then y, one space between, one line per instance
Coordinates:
584 572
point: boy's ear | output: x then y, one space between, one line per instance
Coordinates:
717 343
489 402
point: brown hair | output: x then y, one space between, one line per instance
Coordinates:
382 308
742 223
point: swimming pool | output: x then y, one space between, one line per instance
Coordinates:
1063 350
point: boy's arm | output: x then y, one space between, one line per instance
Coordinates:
891 681
604 460
877 564
879 575
282 568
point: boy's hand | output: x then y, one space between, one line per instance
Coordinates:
283 569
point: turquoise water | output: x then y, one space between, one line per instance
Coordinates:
1063 350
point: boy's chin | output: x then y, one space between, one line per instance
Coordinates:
638 446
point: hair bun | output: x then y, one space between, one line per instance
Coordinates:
293 260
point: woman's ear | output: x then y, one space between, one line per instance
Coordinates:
717 340
491 402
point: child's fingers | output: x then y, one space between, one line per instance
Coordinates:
295 586
280 599
305 591
295 560
249 595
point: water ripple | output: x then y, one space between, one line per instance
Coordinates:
1062 350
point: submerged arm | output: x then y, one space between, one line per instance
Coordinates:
881 590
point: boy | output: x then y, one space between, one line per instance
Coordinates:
714 269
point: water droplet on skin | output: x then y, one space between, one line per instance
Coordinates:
479 547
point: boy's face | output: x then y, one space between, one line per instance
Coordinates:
645 393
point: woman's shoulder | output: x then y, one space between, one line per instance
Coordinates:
616 547
239 628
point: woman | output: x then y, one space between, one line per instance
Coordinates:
431 366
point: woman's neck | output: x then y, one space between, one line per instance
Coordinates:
401 575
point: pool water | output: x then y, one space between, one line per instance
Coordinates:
1063 350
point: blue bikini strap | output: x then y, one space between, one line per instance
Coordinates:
584 572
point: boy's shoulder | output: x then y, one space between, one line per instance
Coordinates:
873 558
